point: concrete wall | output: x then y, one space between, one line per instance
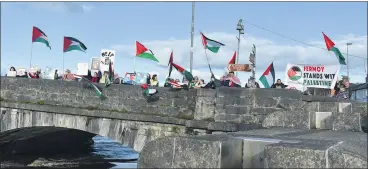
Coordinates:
270 148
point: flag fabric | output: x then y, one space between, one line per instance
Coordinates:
71 43
233 59
331 47
268 77
143 52
187 75
97 90
110 76
40 36
174 84
212 45
170 63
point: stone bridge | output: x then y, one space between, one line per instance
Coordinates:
126 116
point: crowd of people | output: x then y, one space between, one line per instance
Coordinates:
228 80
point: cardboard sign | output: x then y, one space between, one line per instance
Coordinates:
82 69
12 74
106 57
21 71
49 73
95 63
317 76
239 68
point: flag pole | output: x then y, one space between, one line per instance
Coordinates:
30 60
134 58
63 68
208 62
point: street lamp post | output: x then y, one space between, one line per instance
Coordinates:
240 28
347 58
191 38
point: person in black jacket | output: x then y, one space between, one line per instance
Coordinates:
278 84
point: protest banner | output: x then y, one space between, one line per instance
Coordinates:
239 67
49 73
137 78
11 73
300 77
106 57
95 63
21 71
82 69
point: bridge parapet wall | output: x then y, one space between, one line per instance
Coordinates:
224 109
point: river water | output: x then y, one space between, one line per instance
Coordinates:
103 154
110 149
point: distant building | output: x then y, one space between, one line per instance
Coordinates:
359 93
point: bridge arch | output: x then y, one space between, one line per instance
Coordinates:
132 134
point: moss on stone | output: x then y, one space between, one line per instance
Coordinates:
40 102
175 129
185 116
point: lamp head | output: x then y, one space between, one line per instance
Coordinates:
349 44
239 26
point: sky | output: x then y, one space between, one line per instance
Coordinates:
165 26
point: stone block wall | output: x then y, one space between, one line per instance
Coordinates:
122 98
223 109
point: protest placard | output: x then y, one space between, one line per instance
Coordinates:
318 76
239 67
106 57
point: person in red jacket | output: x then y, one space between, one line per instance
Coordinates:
95 78
35 75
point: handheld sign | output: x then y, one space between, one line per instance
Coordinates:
239 68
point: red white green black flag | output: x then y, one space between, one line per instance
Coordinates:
331 47
71 43
40 36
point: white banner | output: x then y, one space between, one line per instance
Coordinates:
49 73
301 77
21 71
82 69
105 57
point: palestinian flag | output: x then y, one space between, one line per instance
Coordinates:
39 36
175 84
212 45
331 47
143 52
110 77
294 73
268 77
170 63
187 75
233 59
82 79
147 91
71 43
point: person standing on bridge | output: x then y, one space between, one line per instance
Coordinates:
230 80
154 81
278 84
